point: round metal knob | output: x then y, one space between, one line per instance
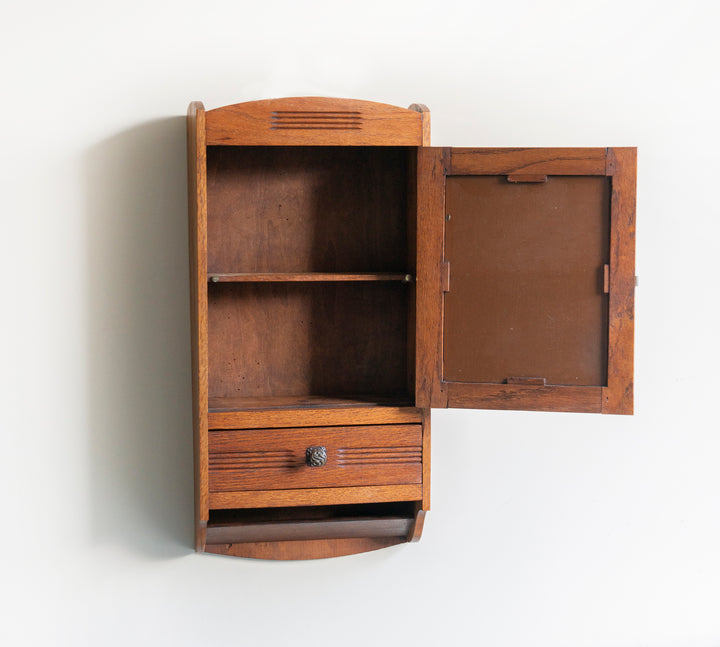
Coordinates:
315 456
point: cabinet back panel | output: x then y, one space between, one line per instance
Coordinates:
298 339
307 209
526 280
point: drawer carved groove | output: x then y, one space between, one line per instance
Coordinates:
379 455
252 460
315 120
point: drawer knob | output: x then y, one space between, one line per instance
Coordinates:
315 456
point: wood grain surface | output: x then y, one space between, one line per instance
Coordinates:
315 496
302 277
314 121
309 549
519 397
618 396
431 169
307 209
258 413
534 161
308 339
416 528
274 459
197 222
425 114
426 459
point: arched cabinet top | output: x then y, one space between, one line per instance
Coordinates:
317 121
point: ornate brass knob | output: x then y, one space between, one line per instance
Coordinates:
315 456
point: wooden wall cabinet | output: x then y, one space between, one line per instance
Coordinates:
346 277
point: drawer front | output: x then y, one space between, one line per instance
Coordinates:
275 459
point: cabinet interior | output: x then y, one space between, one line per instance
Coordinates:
308 275
307 209
285 339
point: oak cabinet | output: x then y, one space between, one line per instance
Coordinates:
346 277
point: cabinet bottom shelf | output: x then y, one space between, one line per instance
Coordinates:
312 532
222 405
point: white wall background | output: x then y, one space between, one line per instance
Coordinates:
546 529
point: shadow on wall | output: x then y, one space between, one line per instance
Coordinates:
138 308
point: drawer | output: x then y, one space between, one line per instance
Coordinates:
277 459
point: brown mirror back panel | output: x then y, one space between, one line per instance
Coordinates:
527 281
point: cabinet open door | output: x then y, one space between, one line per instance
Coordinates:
525 278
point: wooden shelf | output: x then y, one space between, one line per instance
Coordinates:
265 277
218 405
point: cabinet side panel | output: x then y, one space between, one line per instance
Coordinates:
197 211
430 232
411 263
425 114
426 461
618 396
